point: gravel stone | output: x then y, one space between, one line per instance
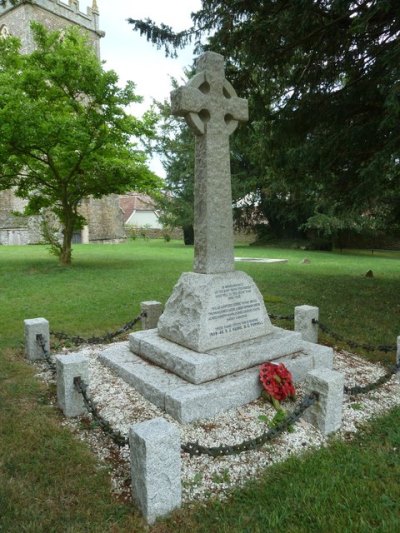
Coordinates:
204 477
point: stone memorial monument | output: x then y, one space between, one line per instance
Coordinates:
214 305
204 355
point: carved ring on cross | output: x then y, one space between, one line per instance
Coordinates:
198 119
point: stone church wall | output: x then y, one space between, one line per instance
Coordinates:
54 15
105 219
20 230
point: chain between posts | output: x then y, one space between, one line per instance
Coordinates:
81 387
77 340
360 389
387 348
194 448
281 317
42 343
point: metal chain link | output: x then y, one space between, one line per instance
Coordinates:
194 448
360 389
77 340
42 343
281 317
117 437
387 348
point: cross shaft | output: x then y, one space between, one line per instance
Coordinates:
212 110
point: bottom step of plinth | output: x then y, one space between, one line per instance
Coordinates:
187 402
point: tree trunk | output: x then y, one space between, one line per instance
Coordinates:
188 234
66 252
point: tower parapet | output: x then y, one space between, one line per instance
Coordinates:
54 14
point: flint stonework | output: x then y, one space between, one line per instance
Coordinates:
156 467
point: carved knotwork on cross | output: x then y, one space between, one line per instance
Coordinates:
212 110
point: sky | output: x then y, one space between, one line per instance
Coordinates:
135 59
130 55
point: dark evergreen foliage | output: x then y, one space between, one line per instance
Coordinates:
323 82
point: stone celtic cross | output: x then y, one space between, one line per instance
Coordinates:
212 110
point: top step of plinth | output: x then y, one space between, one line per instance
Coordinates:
198 367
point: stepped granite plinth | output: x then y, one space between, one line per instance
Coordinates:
206 311
192 386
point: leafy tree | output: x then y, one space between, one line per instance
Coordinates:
64 132
322 78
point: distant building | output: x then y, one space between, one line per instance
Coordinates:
139 211
104 216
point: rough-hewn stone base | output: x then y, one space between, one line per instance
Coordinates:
187 402
206 311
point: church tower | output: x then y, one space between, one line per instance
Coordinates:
53 14
104 216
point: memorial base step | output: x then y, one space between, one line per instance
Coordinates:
188 402
198 367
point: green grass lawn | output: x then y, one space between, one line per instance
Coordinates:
106 284
50 482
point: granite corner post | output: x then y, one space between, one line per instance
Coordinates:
156 467
326 413
69 367
150 313
37 338
306 322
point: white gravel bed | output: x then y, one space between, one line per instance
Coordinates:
203 476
